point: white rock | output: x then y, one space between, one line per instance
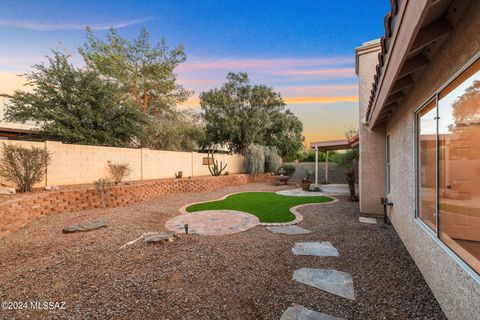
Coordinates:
6 190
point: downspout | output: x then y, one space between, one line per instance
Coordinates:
316 166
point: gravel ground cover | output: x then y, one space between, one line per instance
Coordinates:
267 206
247 275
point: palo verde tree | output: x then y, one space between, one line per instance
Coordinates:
75 105
239 113
144 71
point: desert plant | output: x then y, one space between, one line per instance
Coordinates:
103 186
215 168
289 169
119 171
255 159
179 174
24 166
348 161
273 161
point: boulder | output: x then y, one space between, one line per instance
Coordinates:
6 190
85 226
159 237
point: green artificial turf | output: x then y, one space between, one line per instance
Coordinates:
267 206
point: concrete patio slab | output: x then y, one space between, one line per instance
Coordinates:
320 249
299 193
367 220
299 312
331 281
288 230
213 222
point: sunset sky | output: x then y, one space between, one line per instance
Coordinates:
303 49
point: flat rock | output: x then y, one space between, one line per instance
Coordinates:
367 220
331 281
158 237
288 230
298 312
85 226
6 190
320 249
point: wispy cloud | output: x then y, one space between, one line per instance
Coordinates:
197 64
40 26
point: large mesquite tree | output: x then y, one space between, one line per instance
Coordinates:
239 113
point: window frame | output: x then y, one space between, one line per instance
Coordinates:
435 234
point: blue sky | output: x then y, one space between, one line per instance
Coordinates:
304 49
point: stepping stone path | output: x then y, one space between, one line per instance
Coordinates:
320 249
85 226
331 281
367 220
213 222
288 230
298 312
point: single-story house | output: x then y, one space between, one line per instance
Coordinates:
419 99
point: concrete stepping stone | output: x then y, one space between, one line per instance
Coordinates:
331 281
85 226
298 312
367 220
288 230
320 249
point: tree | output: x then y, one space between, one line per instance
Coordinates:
348 161
145 72
75 105
239 113
175 131
285 133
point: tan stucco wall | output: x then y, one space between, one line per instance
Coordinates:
456 290
372 143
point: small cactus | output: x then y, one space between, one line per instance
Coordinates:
215 169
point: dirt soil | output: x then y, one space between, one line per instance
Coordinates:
242 276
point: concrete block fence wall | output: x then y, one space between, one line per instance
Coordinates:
80 164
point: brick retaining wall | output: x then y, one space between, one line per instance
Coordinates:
15 213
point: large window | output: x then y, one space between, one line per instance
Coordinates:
448 165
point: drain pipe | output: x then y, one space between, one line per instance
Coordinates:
385 203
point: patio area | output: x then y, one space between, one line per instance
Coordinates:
254 274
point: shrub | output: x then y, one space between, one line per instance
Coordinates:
289 169
255 159
103 187
119 171
24 166
272 160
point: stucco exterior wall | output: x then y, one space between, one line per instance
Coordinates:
457 291
372 142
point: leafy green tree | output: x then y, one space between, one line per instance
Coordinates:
75 105
349 162
143 70
239 113
175 131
